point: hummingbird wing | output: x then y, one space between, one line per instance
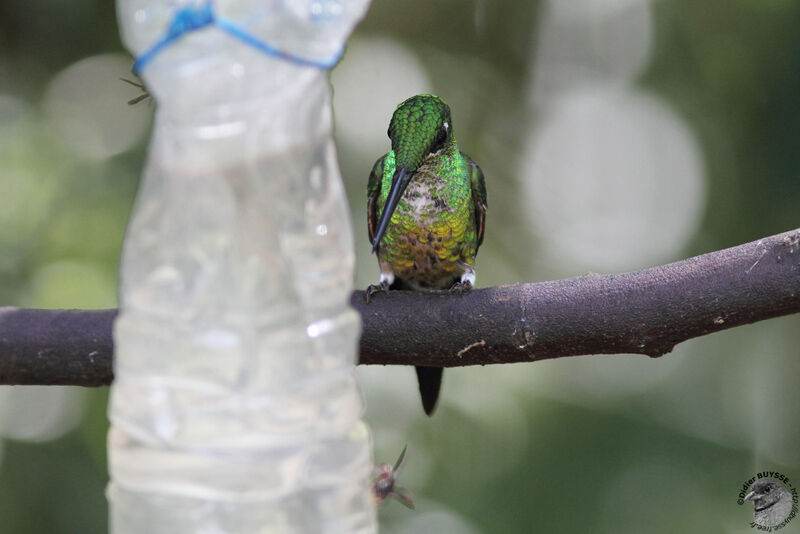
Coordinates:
373 192
478 195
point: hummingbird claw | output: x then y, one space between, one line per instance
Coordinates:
382 287
460 288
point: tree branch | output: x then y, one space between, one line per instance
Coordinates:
646 312
56 347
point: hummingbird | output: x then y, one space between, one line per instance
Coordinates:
426 207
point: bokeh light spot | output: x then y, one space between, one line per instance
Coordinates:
373 77
86 104
615 181
591 42
39 413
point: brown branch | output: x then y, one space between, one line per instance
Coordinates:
64 347
646 312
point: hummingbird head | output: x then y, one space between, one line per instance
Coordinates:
420 126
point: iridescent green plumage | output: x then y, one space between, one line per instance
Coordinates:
429 239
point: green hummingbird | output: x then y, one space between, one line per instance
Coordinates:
426 206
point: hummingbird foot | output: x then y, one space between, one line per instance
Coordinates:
373 289
459 288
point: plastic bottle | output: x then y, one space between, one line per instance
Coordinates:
234 406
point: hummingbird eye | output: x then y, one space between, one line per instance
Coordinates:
442 137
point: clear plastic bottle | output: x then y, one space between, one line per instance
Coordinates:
234 406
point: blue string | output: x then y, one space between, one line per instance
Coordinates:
192 18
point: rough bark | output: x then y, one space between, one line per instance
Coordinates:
645 312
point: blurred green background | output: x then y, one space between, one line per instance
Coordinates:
614 134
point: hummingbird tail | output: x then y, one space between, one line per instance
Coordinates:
430 382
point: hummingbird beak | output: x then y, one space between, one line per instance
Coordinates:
399 183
